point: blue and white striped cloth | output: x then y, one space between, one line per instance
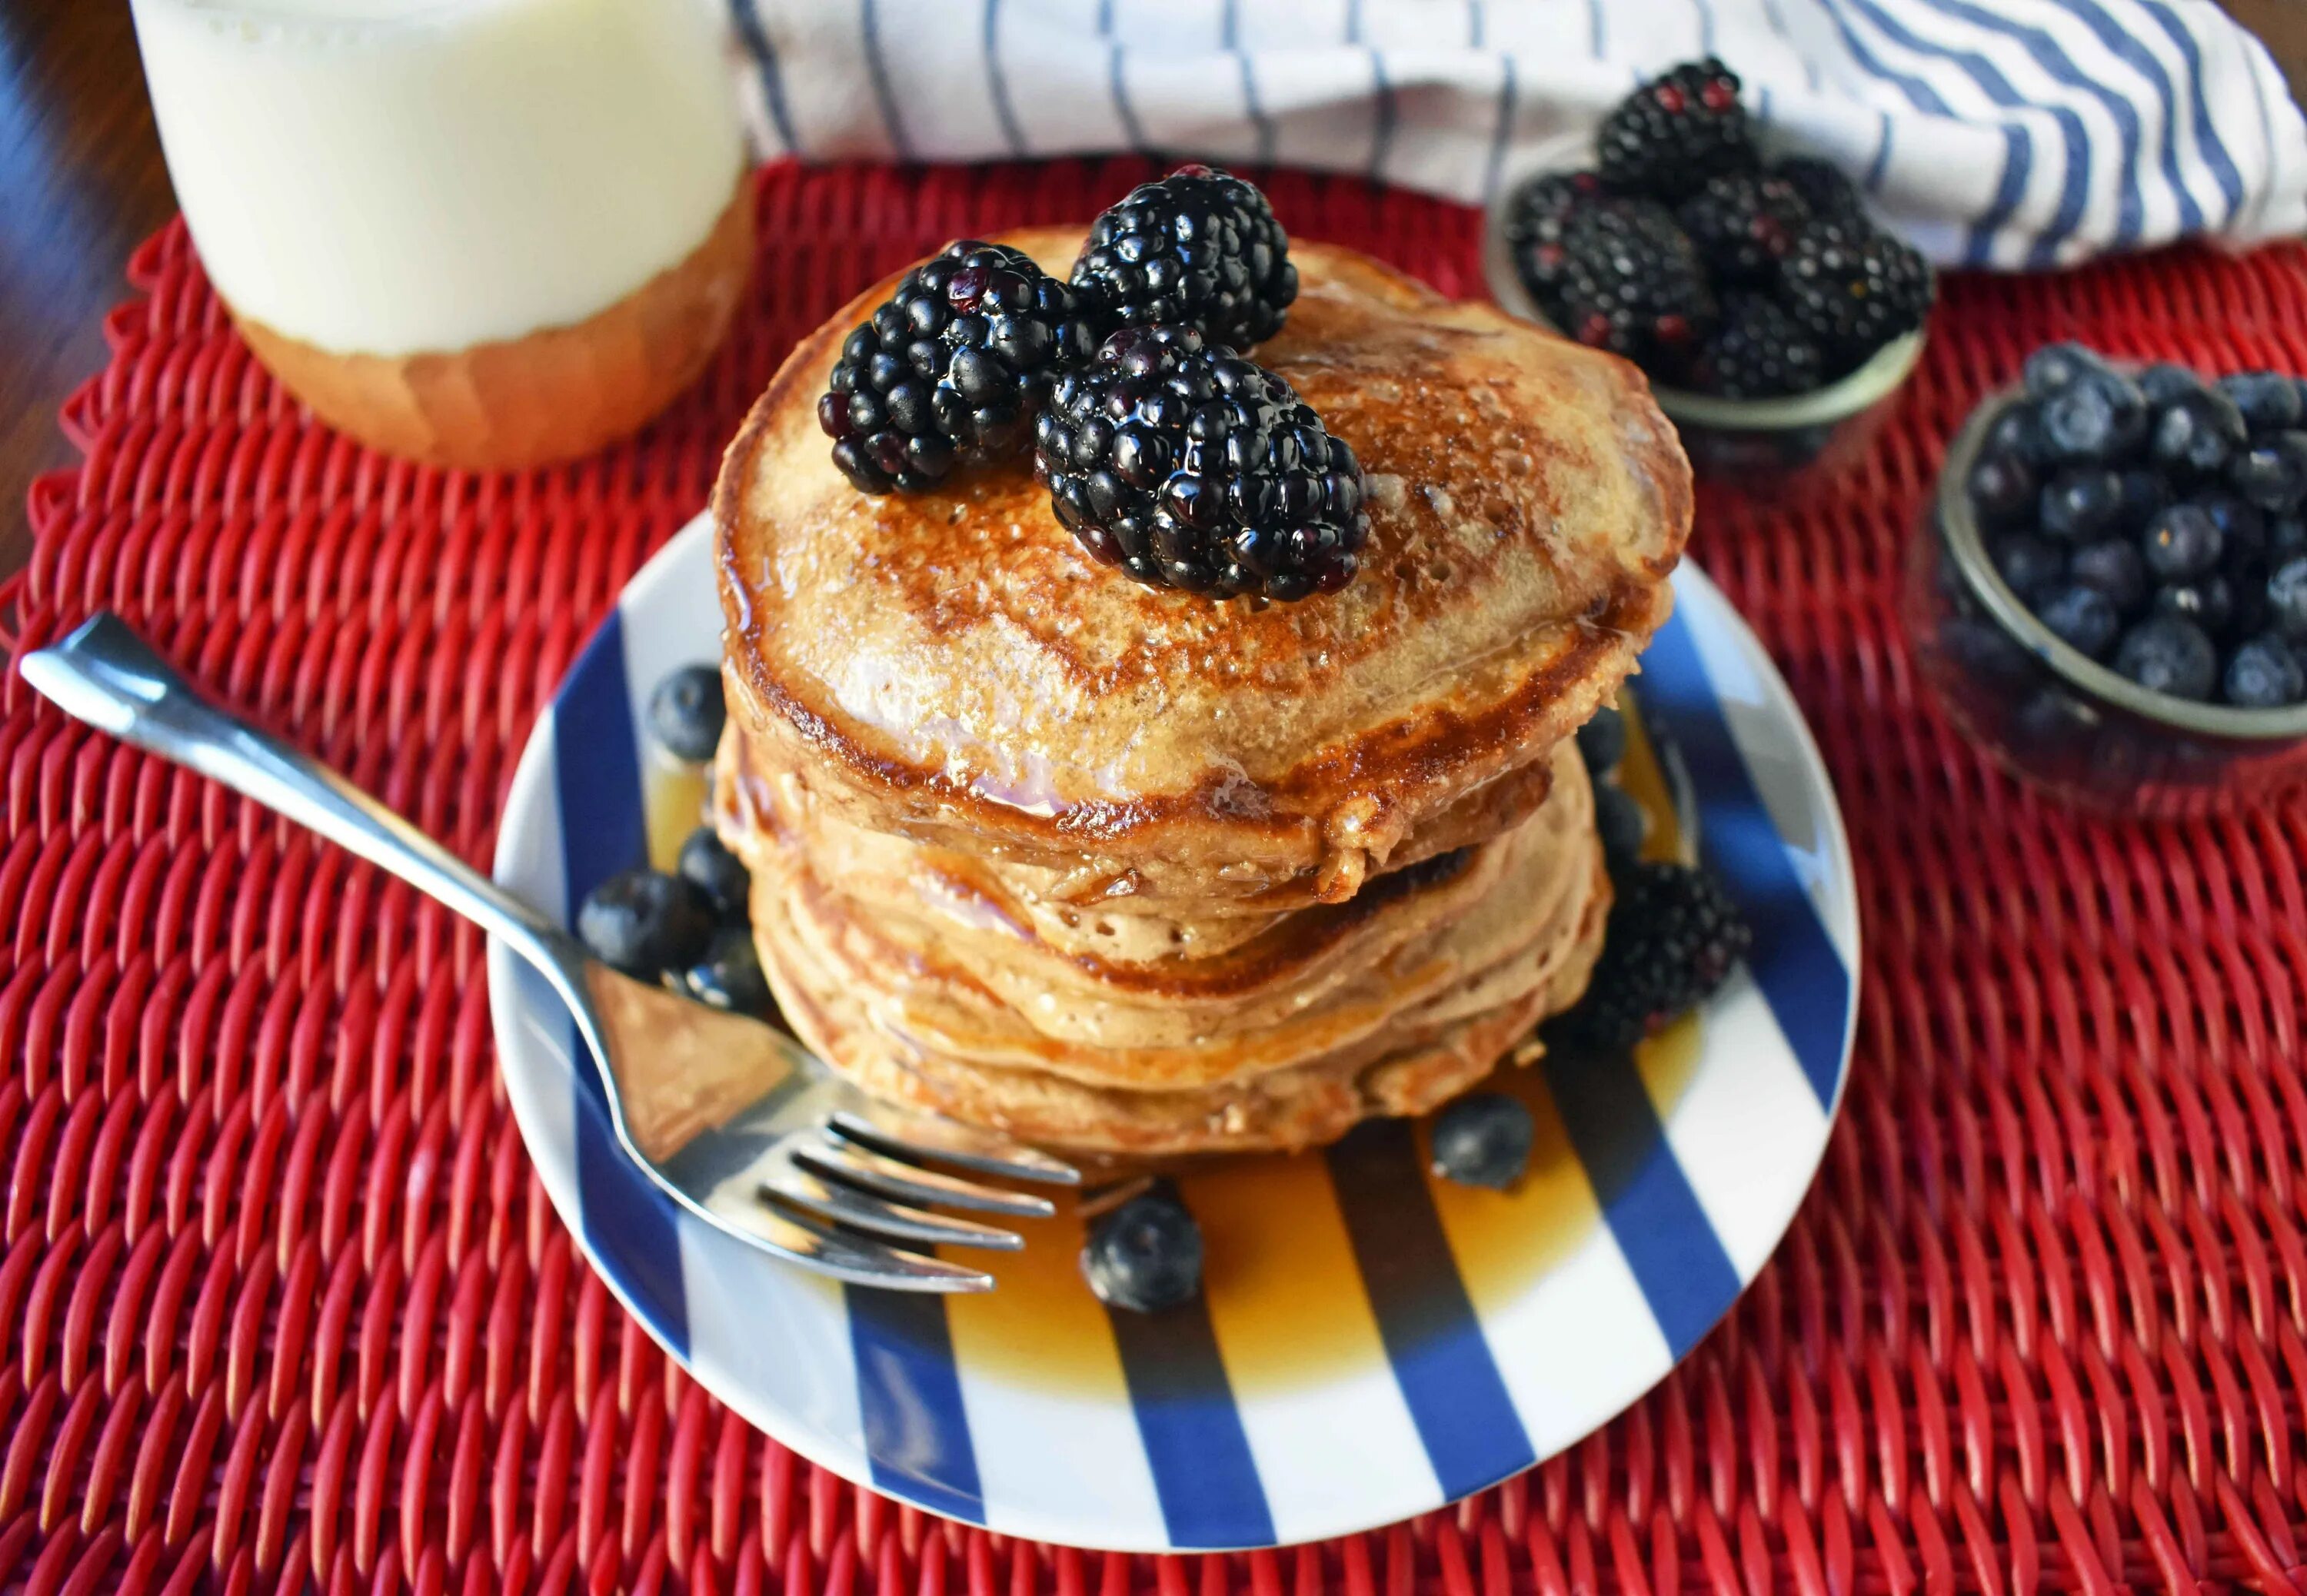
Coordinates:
2014 133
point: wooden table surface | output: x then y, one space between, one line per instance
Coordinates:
82 185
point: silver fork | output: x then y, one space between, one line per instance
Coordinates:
741 1124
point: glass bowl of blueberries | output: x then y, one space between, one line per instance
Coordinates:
1773 316
2111 591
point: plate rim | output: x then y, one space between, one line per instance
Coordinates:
532 779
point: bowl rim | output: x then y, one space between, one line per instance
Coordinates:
1846 395
1959 533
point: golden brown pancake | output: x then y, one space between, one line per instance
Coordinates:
952 666
1130 872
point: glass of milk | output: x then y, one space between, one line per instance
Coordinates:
476 233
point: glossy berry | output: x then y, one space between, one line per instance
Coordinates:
707 863
2264 673
1670 135
2286 536
2081 504
1537 215
1823 187
1854 289
1483 1139
2029 566
2099 417
2167 655
2013 432
2181 542
2054 368
728 974
1602 742
2197 433
2269 400
686 713
2208 602
2286 598
2272 473
2002 489
2082 617
2163 382
1621 824
1146 1255
645 922
1191 467
2114 568
951 367
1199 248
1742 225
1632 283
1756 352
1672 938
2243 526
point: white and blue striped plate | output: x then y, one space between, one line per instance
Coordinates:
1372 1343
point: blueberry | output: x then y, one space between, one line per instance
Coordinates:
2002 490
2081 504
2055 367
645 922
2207 601
2171 656
2114 568
1145 1256
2264 674
1483 1139
2013 433
1602 742
2099 417
686 711
728 974
2163 382
2247 612
2029 566
2082 617
707 863
2272 474
2143 493
2286 598
2269 400
2242 529
2198 432
1620 821
2181 541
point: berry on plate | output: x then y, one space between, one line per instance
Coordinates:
1199 248
1621 824
1602 742
686 713
1672 938
1483 1139
728 974
1146 1255
645 922
949 368
707 863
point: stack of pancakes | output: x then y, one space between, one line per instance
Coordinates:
1123 870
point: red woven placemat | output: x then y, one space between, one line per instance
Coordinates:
282 1305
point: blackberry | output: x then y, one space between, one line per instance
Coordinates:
1742 225
1672 937
1632 284
1854 289
1824 188
951 367
1674 132
1190 467
1199 248
1756 352
1536 218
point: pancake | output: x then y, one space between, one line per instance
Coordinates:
954 669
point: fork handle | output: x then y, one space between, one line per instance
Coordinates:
107 676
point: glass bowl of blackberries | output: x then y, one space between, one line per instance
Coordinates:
2111 593
1772 314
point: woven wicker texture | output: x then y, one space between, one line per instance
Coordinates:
283 1307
